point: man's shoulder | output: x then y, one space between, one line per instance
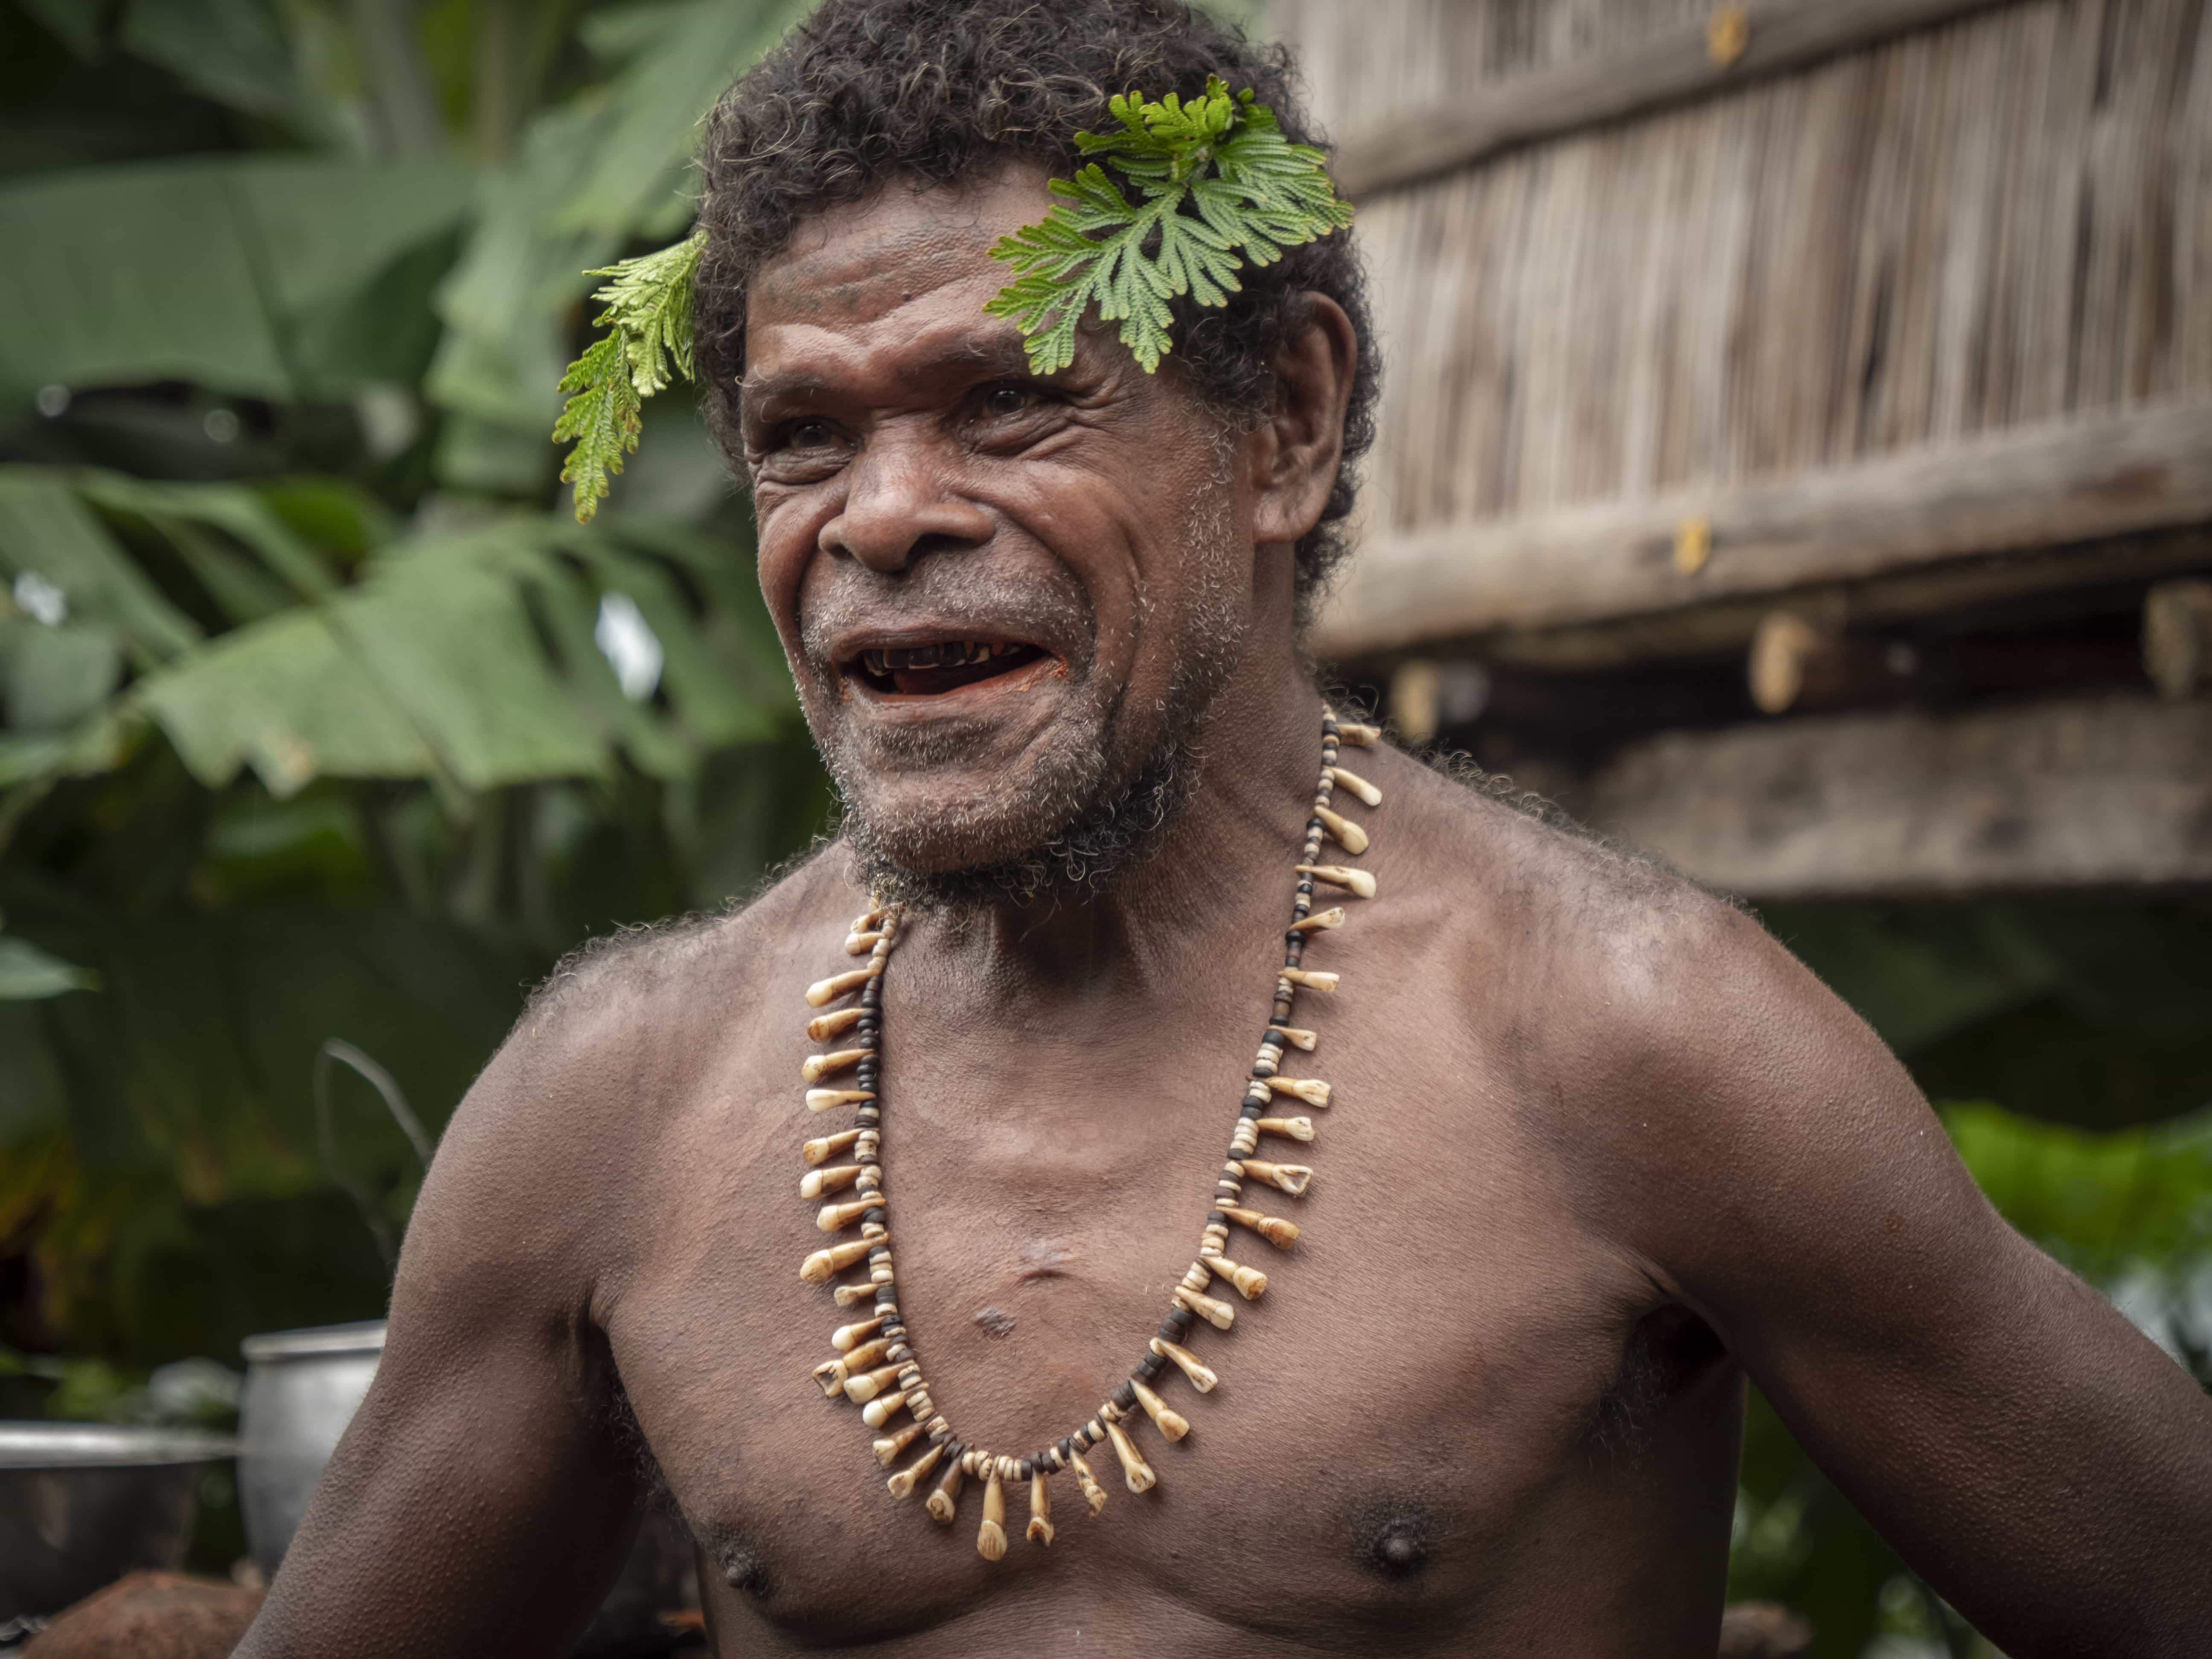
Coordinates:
1519 862
687 966
1600 949
633 1019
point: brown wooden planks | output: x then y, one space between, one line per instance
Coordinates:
2039 487
2111 791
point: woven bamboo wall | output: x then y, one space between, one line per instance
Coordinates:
1364 61
2003 220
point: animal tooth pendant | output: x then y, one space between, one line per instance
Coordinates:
816 1182
1359 737
944 1503
820 1152
990 1539
822 1027
818 1268
836 1218
822 1066
887 1448
903 1483
862 1386
1199 1375
1217 1314
867 1356
1171 1424
1040 1529
1291 1178
1136 1473
876 1367
1358 883
1251 1284
1350 783
1343 830
880 1410
837 985
1277 1232
1087 1483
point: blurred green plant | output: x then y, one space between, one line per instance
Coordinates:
2090 1021
319 722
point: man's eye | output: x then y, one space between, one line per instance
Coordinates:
808 435
1005 400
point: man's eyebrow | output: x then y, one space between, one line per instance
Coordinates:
756 389
988 358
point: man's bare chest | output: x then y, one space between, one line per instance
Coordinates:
1394 1415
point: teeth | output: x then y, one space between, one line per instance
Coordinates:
952 654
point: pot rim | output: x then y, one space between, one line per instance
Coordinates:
32 1444
314 1341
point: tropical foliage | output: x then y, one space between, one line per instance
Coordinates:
321 725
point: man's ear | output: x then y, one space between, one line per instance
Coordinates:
1300 445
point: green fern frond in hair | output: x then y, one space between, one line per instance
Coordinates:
1251 192
648 343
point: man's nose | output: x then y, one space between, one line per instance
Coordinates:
898 506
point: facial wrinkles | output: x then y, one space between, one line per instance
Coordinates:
1067 826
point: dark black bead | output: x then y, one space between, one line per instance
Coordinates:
1027 1467
1215 1218
1253 1109
1067 1446
1126 1397
1169 1330
1181 1318
875 1215
1150 1367
880 1254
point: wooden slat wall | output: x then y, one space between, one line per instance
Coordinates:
2002 221
1366 60
2110 791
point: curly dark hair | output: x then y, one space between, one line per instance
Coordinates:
866 91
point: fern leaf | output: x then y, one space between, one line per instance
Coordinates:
648 316
1250 193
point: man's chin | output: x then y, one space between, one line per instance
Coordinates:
977 852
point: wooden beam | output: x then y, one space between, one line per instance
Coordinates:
2035 487
1676 64
1976 584
2113 791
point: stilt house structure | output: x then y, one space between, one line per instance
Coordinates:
1796 447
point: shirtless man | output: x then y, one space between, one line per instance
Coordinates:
1599 1148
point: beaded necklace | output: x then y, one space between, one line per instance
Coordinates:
876 1367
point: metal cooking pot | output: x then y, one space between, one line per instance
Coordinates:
302 1388
82 1503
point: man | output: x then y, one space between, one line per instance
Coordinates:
1598 1148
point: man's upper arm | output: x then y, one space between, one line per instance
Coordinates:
484 1494
2039 1461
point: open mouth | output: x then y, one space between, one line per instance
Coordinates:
931 671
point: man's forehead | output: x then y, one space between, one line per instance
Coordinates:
859 260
